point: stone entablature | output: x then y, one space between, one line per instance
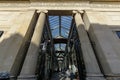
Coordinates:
67 5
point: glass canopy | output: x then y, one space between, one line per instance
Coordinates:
60 27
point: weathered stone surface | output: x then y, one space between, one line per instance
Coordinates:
60 5
95 78
30 63
61 0
105 42
90 61
113 78
15 41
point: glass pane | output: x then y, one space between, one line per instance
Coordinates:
55 33
118 33
57 47
64 33
55 24
63 46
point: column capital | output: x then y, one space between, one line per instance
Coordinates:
78 11
42 11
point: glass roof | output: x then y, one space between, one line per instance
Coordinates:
60 47
60 25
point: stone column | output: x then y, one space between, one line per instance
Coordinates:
30 63
15 44
92 69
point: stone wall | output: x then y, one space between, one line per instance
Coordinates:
98 27
101 29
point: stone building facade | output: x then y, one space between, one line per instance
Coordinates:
22 25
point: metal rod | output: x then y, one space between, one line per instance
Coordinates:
60 25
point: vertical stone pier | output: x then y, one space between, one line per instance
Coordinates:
29 67
15 42
92 69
